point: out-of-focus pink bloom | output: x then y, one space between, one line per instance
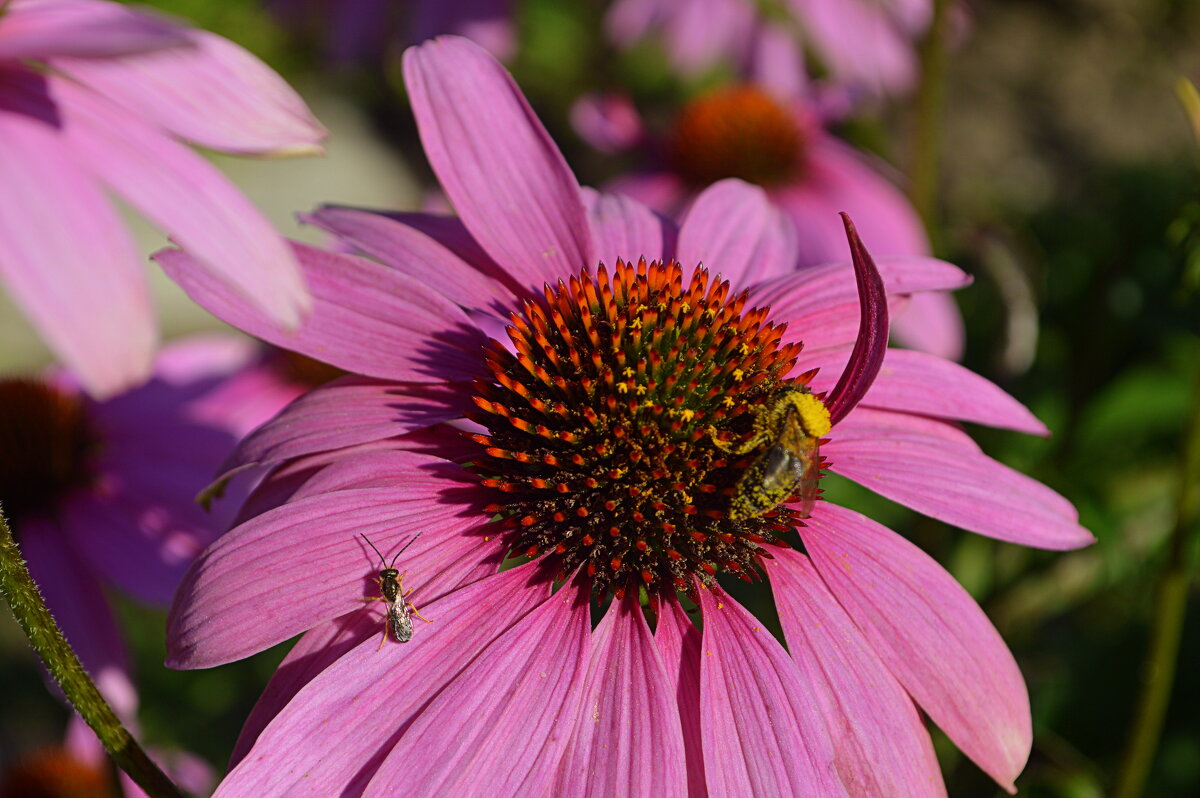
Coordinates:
868 46
364 30
745 132
103 492
594 415
96 97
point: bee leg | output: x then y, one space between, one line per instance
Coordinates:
755 441
413 608
374 598
383 639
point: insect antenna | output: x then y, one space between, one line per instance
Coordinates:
411 541
372 545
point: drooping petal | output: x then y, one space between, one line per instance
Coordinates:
495 724
882 748
916 382
366 318
501 170
84 291
734 230
624 228
249 577
869 349
315 651
628 740
41 28
839 178
929 633
345 412
951 481
319 745
414 253
211 92
679 641
764 729
80 609
188 197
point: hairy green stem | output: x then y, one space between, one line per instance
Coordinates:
47 639
1170 606
926 134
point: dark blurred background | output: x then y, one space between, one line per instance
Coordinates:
1068 188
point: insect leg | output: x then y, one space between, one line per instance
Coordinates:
413 608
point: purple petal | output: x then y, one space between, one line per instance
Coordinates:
930 634
734 230
931 323
315 651
188 197
488 23
348 411
41 28
858 42
607 121
500 727
211 92
679 641
915 382
701 32
248 577
496 163
869 349
795 296
624 228
628 741
764 731
84 290
882 746
366 318
78 605
414 253
777 63
951 481
321 744
839 178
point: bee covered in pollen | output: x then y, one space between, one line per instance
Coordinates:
787 428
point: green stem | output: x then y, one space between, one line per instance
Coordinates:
926 136
47 639
1170 607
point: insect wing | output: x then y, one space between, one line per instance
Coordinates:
400 622
804 464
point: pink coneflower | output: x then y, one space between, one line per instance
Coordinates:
867 46
102 493
605 419
96 97
779 142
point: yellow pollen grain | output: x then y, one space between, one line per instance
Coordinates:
813 415
628 372
687 415
727 401
738 375
622 388
744 349
636 324
686 307
641 390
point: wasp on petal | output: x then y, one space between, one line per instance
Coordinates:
391 585
788 427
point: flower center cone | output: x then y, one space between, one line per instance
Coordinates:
625 423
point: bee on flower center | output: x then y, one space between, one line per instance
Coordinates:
787 429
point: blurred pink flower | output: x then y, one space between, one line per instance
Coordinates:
103 492
364 30
590 448
779 142
95 97
868 46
